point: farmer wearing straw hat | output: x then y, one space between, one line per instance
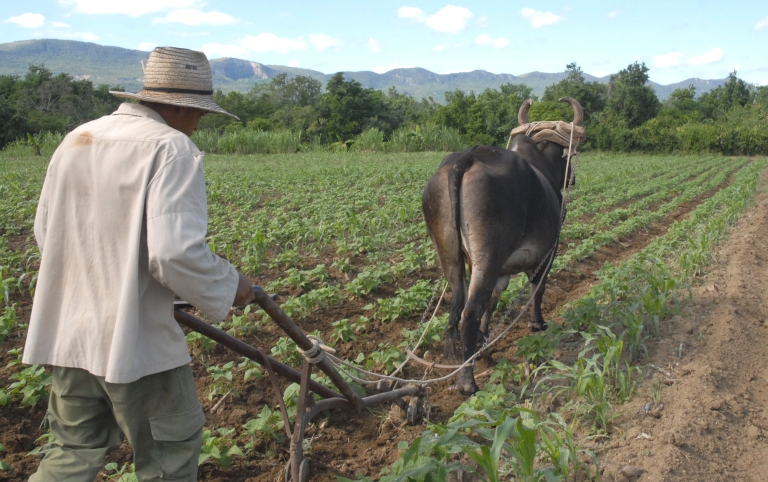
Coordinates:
121 227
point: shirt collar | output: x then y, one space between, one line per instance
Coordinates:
138 110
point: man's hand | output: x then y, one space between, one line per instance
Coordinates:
244 293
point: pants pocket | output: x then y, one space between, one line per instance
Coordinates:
178 440
177 427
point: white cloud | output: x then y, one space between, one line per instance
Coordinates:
764 82
450 19
600 73
614 13
133 8
762 24
440 48
482 20
484 39
322 41
196 17
670 59
87 36
293 63
224 50
707 58
411 12
59 25
373 45
268 42
147 46
540 19
28 20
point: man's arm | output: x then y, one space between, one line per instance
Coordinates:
179 257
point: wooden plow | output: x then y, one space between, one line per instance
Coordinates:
297 469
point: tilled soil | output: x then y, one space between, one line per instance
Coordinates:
714 421
711 425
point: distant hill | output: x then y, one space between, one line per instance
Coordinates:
118 66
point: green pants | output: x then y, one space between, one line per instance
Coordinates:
159 414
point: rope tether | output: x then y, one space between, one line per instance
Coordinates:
316 354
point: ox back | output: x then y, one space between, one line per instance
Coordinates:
498 211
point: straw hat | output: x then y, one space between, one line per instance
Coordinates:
178 77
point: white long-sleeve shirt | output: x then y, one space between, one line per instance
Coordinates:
121 226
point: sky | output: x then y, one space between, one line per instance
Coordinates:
676 39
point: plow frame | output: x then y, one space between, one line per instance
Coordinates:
297 469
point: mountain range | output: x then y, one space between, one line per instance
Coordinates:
118 66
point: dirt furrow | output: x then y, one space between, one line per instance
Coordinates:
714 423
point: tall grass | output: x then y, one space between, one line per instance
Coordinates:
248 141
420 138
40 144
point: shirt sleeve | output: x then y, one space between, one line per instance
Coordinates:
41 215
177 223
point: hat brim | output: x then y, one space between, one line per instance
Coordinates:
196 101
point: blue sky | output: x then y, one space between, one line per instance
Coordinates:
676 39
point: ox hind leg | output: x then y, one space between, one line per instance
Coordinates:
481 288
537 322
501 285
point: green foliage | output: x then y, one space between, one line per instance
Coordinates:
347 109
716 103
248 141
126 473
267 426
223 380
221 448
30 385
591 95
629 99
3 464
8 322
406 302
486 118
386 357
42 101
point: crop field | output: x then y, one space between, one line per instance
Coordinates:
340 238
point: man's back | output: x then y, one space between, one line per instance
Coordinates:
121 222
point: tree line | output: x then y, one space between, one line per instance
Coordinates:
623 115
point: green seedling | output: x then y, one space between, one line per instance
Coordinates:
220 448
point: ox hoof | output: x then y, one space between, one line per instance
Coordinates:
534 327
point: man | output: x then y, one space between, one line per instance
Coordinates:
121 226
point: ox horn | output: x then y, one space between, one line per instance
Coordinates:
578 110
522 114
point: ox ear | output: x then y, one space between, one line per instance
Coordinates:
578 111
522 114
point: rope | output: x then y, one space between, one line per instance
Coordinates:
316 354
423 333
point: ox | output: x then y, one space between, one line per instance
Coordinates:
498 210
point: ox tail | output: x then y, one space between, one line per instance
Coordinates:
455 177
